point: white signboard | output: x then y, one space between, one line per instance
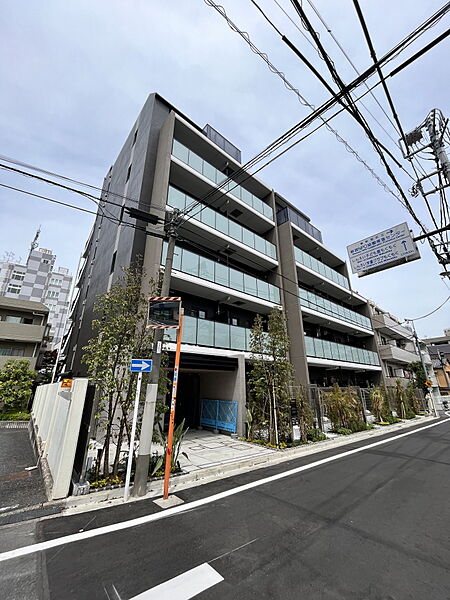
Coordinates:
389 248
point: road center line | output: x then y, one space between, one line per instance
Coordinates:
76 537
184 586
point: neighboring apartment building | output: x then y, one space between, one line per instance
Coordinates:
39 281
239 253
439 350
23 330
396 346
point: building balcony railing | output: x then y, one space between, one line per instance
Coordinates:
287 214
214 272
397 355
221 223
217 177
314 302
201 332
386 325
318 348
309 261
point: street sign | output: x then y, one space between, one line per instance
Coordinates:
389 248
67 383
164 312
141 365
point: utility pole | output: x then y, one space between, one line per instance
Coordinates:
419 350
143 458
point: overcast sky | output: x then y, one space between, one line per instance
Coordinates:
74 76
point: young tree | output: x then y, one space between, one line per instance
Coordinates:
120 333
420 377
16 381
271 376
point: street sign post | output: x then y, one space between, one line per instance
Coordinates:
137 365
389 248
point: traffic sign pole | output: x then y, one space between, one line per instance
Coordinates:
133 434
172 409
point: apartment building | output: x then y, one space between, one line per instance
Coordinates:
396 346
240 252
439 351
23 330
38 280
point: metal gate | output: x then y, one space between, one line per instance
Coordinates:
219 414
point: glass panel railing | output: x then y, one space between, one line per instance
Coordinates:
287 214
208 216
217 177
318 348
312 263
201 332
209 270
314 302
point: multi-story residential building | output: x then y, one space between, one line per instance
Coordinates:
38 280
439 350
23 330
241 251
396 346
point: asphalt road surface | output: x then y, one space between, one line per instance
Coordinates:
371 525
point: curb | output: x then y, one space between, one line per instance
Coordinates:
222 471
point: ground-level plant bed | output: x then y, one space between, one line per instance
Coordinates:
15 416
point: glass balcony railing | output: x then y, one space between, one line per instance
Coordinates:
287 214
201 332
211 271
309 261
318 348
314 302
216 220
217 177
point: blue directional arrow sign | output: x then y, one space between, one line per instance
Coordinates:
141 365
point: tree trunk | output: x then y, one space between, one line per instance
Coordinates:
119 446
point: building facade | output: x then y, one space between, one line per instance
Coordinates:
38 280
240 251
439 351
23 330
396 346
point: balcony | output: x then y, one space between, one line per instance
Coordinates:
212 334
210 279
19 332
287 214
397 355
216 177
315 272
228 231
316 303
317 348
386 325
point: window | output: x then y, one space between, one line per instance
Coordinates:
11 351
12 319
52 294
17 275
45 261
234 321
13 288
55 281
201 314
128 174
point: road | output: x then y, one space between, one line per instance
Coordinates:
369 521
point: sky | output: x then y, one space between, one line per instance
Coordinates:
74 76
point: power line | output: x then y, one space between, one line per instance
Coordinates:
432 312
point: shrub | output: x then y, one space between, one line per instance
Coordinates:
316 435
344 431
15 416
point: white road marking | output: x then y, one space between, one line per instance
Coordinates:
76 537
8 507
185 586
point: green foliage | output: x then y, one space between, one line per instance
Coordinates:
413 403
305 414
379 404
344 409
420 377
316 435
120 333
178 436
270 378
16 380
344 431
15 416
